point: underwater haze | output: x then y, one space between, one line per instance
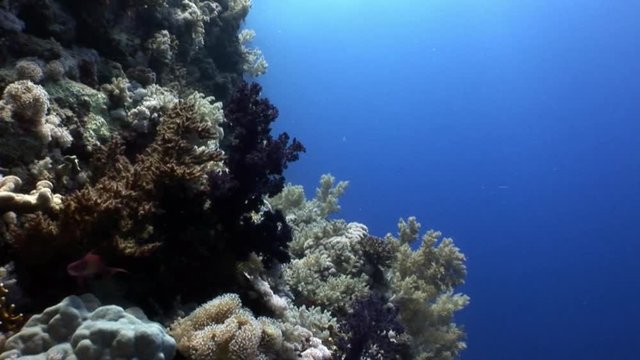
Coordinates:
512 126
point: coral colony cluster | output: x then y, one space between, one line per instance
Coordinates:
145 214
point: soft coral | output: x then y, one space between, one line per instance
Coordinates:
255 161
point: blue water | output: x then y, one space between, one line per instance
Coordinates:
512 126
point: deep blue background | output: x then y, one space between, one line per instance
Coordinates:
512 126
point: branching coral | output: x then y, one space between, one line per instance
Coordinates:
423 283
256 162
254 62
40 199
300 211
372 331
330 272
187 189
239 8
116 216
195 14
337 265
328 267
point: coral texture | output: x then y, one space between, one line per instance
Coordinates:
355 276
422 282
116 215
40 199
373 331
79 328
223 329
256 162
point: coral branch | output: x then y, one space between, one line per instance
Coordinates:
42 198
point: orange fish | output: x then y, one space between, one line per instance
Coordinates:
90 266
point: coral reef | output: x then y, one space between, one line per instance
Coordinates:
153 178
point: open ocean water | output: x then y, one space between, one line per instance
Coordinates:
511 126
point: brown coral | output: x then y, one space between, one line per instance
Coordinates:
115 215
120 205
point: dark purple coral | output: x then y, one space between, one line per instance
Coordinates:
256 162
373 331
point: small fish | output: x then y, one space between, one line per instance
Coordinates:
90 266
